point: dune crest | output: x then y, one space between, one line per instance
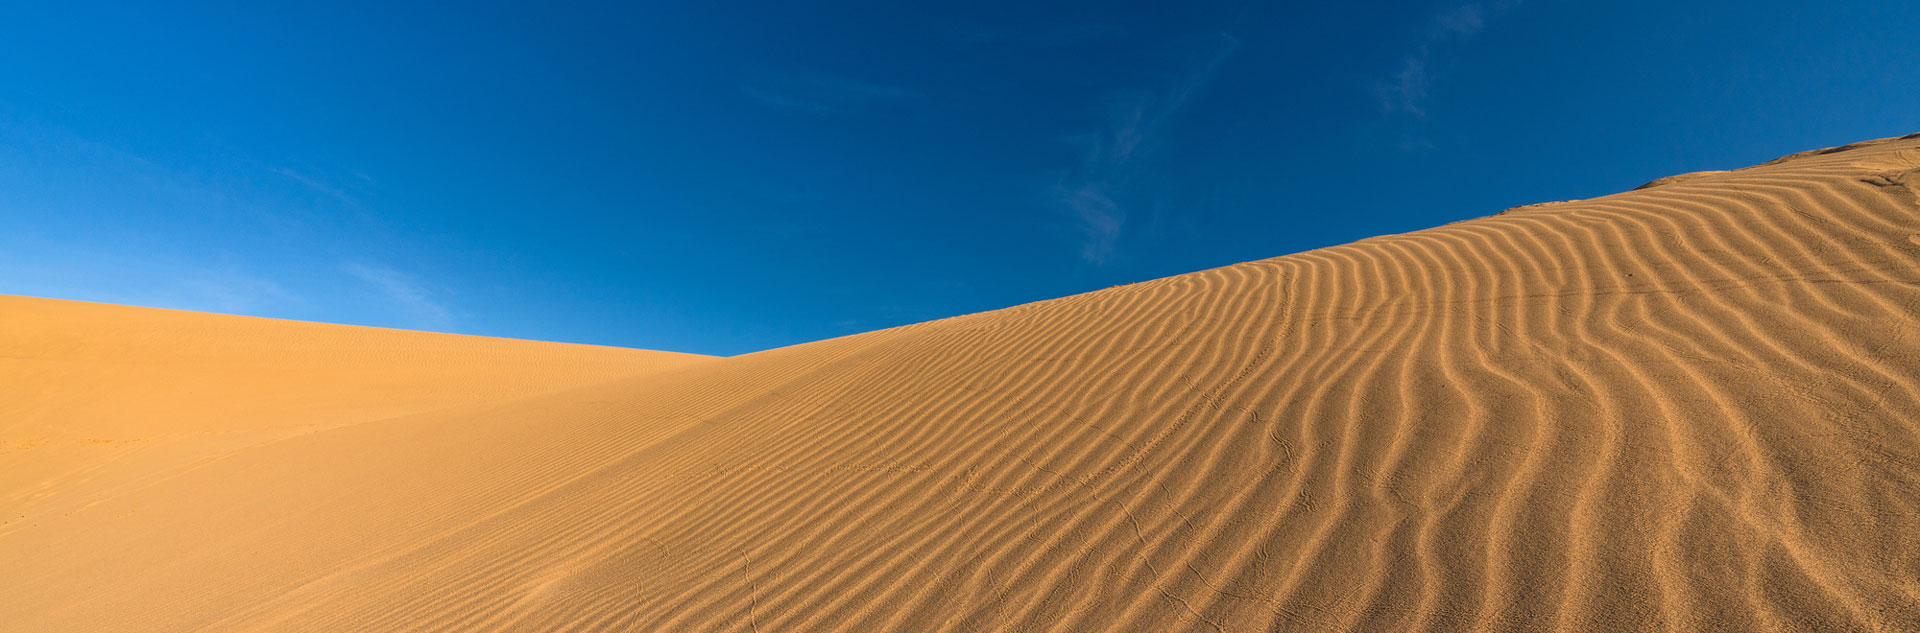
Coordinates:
1689 407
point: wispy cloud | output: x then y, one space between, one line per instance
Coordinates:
1099 218
60 269
1135 128
316 184
1407 90
818 92
235 293
404 290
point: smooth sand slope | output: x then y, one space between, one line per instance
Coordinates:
1689 407
97 398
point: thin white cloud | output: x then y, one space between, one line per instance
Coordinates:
1099 219
1462 21
1136 127
1406 91
404 290
62 270
234 293
316 184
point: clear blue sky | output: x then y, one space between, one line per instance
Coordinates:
723 177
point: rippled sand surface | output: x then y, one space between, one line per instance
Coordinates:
1694 406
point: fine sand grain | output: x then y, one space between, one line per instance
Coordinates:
1690 407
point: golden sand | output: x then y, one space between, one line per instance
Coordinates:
1690 407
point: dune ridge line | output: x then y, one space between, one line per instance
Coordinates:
1694 406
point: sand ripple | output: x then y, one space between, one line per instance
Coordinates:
1690 407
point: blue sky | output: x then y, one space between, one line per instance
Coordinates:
724 177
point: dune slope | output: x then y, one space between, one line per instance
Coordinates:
1690 407
98 396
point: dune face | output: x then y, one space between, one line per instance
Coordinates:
98 401
1690 407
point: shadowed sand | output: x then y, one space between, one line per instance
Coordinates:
1690 407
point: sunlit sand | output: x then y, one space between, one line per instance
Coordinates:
1694 406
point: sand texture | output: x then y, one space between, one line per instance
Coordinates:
1694 406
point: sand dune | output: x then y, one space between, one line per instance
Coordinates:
1690 407
91 389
